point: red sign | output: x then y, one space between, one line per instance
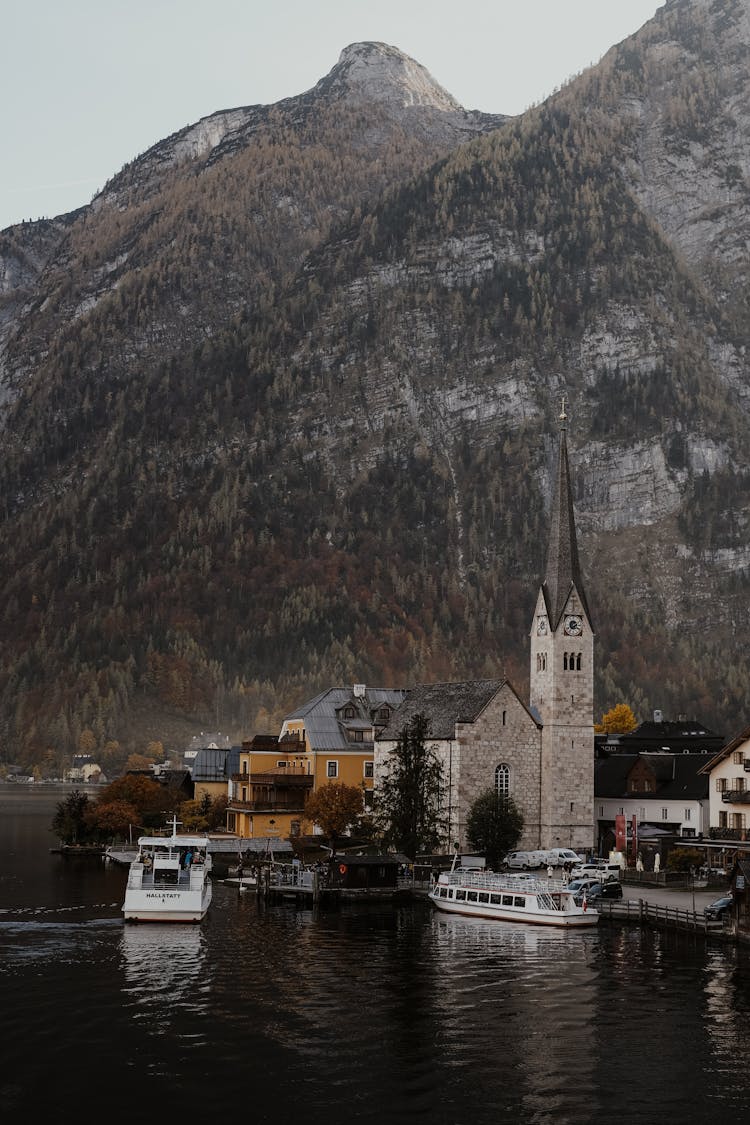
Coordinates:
620 834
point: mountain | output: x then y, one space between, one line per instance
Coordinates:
279 406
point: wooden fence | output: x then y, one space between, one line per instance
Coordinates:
662 917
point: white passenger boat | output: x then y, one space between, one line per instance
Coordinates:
169 880
509 898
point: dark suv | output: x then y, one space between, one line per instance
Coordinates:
719 910
610 889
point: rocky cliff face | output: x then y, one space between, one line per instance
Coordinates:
280 405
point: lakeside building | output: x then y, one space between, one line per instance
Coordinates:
663 795
328 739
727 775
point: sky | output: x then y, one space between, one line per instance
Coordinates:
87 85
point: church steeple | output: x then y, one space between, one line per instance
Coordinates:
561 688
563 567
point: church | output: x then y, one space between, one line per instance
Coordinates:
484 735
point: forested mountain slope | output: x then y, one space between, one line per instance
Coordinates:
280 406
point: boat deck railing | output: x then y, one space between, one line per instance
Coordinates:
491 881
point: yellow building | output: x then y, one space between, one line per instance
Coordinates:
328 739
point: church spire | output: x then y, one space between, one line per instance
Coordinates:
563 568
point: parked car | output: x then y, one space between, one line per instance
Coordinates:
611 889
719 910
577 886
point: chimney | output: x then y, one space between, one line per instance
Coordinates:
359 691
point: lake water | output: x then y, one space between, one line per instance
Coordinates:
325 1017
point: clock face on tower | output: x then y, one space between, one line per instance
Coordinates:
541 626
573 626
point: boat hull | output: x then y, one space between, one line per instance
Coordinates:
507 914
166 906
505 898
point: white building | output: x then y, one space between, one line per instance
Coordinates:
729 789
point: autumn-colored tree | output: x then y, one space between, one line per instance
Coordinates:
86 741
334 807
138 762
113 818
619 720
204 815
151 800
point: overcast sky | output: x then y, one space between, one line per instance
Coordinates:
86 85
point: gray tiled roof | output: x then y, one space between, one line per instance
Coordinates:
210 764
443 705
320 714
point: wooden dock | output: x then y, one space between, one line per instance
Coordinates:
643 913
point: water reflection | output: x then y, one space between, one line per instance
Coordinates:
164 973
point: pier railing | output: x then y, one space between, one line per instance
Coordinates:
661 917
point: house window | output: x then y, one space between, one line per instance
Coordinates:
664 814
646 786
350 713
505 715
601 810
231 822
721 785
502 780
738 758
739 784
641 814
620 811
369 769
244 768
688 814
294 828
738 820
244 792
332 769
383 716
359 736
723 820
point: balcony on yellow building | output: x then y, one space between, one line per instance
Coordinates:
278 789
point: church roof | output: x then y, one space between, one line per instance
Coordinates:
444 705
563 565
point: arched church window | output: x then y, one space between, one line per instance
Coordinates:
502 780
565 662
578 662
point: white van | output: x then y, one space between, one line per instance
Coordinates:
525 860
558 856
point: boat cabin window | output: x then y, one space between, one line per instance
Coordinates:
461 895
472 896
496 899
519 900
507 900
483 896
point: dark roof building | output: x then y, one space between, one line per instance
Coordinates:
685 736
